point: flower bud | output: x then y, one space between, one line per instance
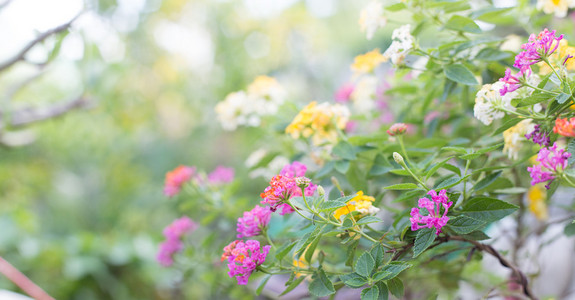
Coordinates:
302 182
320 190
398 158
397 129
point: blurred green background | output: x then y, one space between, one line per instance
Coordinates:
82 205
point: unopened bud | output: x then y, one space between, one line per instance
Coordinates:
320 190
398 158
397 129
302 182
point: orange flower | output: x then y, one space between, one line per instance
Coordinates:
565 127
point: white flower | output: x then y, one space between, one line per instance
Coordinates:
402 43
371 210
371 18
267 95
557 7
236 110
512 43
489 104
363 95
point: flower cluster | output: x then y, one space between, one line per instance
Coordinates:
371 18
243 258
557 7
536 196
361 203
320 122
173 243
514 136
434 218
490 105
367 62
253 221
397 129
221 175
263 97
284 186
561 57
552 162
176 178
565 127
538 136
402 43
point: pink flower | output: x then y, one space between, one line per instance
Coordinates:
221 175
173 243
253 221
282 187
538 48
512 83
176 178
551 162
538 136
295 169
343 94
434 218
397 129
244 258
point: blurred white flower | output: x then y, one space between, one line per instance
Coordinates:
236 110
489 104
371 18
402 43
363 95
267 95
557 7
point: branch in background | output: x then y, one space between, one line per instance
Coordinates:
29 115
20 56
22 281
504 262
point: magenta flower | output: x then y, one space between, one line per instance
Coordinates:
434 218
538 136
397 129
282 187
537 49
253 221
343 94
244 258
512 83
221 175
295 169
173 243
176 178
552 161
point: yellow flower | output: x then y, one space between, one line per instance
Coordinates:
536 196
514 136
360 203
366 63
319 122
557 7
558 57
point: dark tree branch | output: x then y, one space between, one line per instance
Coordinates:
20 56
29 115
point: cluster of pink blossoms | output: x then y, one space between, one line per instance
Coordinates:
176 178
536 50
434 218
173 243
254 221
551 162
221 175
243 258
282 187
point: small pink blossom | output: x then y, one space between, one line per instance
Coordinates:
173 243
295 169
434 218
537 49
552 161
253 221
176 178
282 187
221 175
343 94
512 82
243 258
397 129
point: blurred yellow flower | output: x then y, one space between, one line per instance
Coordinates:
367 62
320 122
536 196
360 203
557 58
514 136
300 264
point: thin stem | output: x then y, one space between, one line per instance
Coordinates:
400 140
266 235
22 281
541 90
465 181
553 69
297 210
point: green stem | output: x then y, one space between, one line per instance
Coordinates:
266 235
400 140
553 69
541 90
465 181
297 210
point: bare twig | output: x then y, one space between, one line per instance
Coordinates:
22 281
29 115
20 55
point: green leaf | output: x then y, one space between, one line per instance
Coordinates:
534 99
283 250
368 220
489 14
350 254
344 150
320 285
377 253
450 182
470 156
424 239
486 181
311 249
342 165
458 150
353 280
561 98
476 236
395 286
489 149
571 149
460 23
383 291
491 54
436 167
396 267
381 275
464 224
401 186
331 205
513 190
395 7
295 283
262 284
487 209
365 264
460 74
371 293
569 229
508 124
